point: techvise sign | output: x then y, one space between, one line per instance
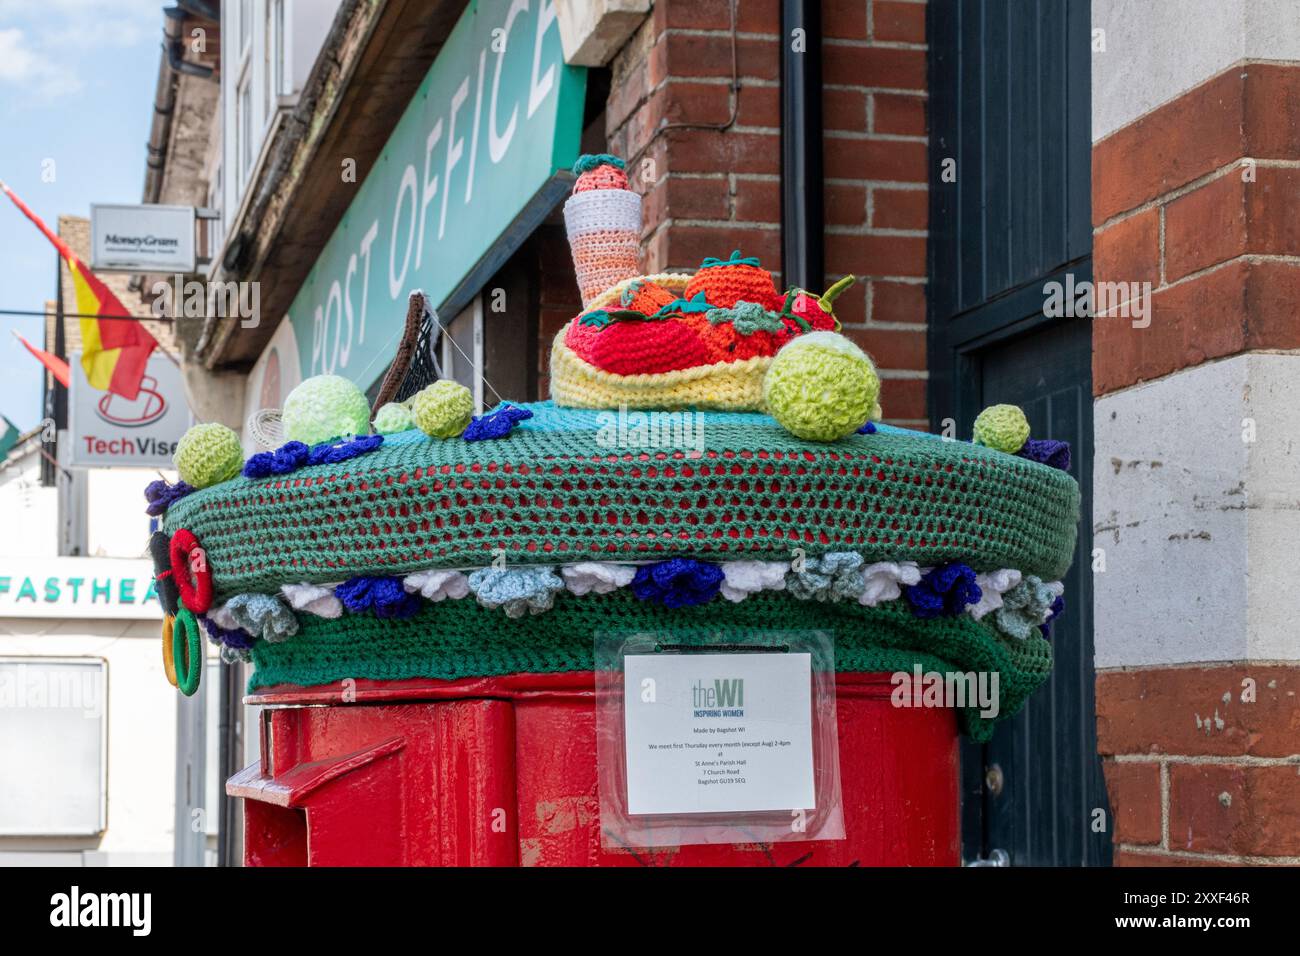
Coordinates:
141 238
78 588
476 162
107 430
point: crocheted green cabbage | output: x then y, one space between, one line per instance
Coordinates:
454 639
571 486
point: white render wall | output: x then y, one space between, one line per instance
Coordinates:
1200 528
1159 49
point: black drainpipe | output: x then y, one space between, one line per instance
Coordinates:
802 254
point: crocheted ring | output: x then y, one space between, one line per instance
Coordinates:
168 594
187 654
190 571
169 663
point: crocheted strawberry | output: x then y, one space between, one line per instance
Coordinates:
725 282
804 311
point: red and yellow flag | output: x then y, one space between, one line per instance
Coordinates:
115 347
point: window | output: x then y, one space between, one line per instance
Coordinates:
53 733
244 127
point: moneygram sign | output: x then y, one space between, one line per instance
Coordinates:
479 158
146 238
108 430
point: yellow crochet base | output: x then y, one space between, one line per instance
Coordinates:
724 386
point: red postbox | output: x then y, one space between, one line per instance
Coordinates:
501 771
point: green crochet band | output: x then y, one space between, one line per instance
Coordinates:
570 485
455 639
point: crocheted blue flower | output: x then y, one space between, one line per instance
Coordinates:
519 591
288 457
329 453
162 496
945 590
384 596
868 429
1045 451
678 582
264 616
293 455
226 637
1057 607
1026 606
496 423
832 577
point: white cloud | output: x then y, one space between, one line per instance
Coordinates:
35 39
25 66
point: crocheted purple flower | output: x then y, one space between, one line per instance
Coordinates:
1057 607
496 423
945 590
329 453
288 457
162 496
1045 451
384 596
238 639
678 582
868 429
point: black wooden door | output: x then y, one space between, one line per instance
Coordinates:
1010 150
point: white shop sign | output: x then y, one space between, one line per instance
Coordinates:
78 588
108 430
142 238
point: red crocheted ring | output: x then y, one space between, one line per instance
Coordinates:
190 571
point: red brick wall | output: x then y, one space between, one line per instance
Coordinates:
708 192
1201 764
1174 204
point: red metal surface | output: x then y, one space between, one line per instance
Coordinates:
501 771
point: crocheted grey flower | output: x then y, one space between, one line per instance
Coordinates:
519 591
832 577
1026 606
264 616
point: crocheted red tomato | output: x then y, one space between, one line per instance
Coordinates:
638 347
725 282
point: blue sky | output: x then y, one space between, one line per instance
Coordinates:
77 81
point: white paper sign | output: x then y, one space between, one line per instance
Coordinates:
716 733
107 430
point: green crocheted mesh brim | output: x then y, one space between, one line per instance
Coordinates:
454 639
571 485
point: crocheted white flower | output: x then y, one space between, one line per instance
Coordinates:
222 617
436 584
743 578
312 598
519 591
885 580
993 584
597 577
